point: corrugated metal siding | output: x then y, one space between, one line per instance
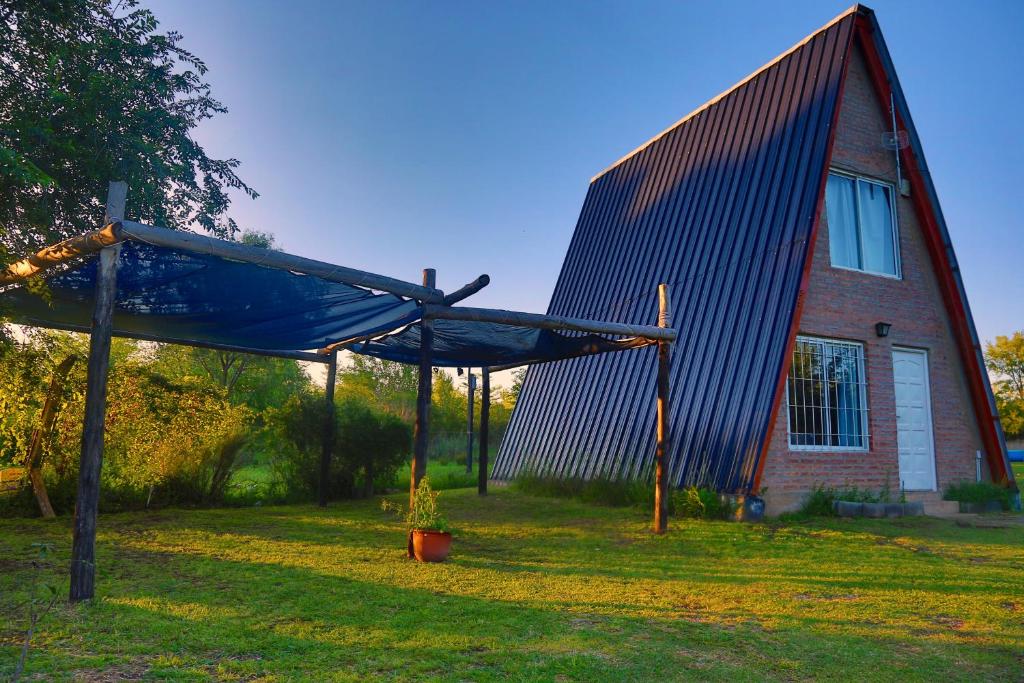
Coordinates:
721 206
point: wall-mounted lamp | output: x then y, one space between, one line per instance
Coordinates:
882 329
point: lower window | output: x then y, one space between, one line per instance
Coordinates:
827 396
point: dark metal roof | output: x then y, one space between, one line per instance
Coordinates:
721 206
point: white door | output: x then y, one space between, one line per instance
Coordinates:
914 420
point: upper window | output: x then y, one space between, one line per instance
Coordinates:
862 225
827 396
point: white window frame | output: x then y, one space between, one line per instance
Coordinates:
864 412
858 178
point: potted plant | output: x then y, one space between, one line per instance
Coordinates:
430 538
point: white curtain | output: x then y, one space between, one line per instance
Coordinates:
841 211
876 224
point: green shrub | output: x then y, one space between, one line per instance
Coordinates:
167 441
978 492
371 445
819 502
369 448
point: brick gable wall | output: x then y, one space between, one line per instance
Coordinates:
846 305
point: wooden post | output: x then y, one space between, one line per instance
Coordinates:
661 468
42 433
485 416
83 544
471 385
421 429
329 428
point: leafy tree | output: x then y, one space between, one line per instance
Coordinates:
91 92
1005 360
255 381
518 377
385 384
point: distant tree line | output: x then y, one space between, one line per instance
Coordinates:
1005 360
196 427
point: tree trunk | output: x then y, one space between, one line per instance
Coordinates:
39 437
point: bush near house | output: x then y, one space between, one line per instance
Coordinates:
978 492
819 502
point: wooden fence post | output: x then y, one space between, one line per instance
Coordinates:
661 472
421 429
471 387
329 428
485 416
83 545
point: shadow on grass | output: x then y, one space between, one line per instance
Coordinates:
290 591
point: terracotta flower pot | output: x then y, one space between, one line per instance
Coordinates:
431 546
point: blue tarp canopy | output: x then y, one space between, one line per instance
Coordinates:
184 296
460 343
187 296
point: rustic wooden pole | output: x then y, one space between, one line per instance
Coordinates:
426 385
661 471
467 290
83 544
89 243
42 433
330 425
190 241
546 322
485 416
471 386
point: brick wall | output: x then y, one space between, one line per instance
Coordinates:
846 305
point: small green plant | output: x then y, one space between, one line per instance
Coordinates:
42 596
701 503
425 515
978 492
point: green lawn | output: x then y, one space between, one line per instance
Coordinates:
536 589
1018 472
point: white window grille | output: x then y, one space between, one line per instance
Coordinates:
862 225
827 396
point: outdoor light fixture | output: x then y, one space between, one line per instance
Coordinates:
882 329
460 371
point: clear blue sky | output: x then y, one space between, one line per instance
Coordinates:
392 136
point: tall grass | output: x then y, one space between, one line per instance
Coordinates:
692 501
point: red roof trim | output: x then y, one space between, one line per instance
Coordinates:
955 305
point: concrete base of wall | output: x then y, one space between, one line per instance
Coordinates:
776 503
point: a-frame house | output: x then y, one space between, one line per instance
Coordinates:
825 335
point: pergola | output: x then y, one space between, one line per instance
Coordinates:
154 284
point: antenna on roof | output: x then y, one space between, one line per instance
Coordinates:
896 140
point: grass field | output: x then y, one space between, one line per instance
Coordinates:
536 589
255 482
